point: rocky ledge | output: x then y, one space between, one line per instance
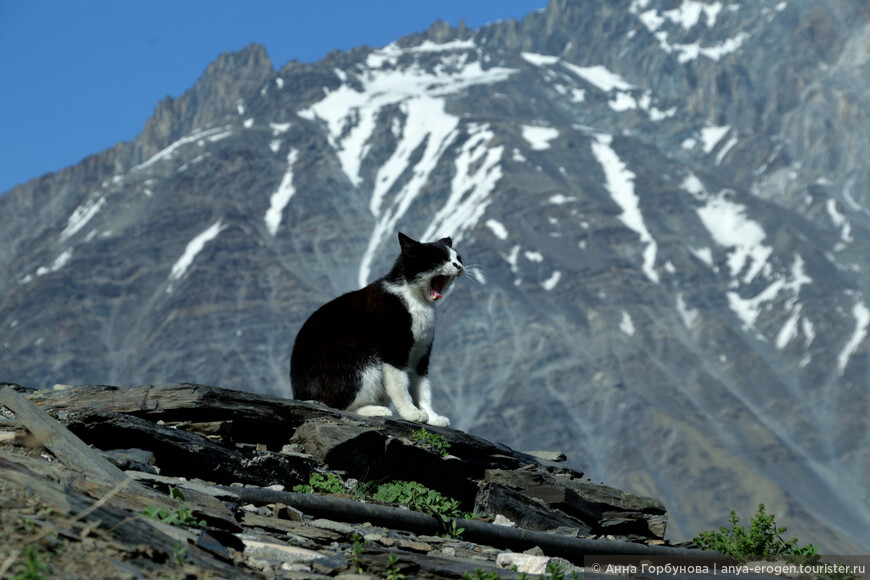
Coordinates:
216 470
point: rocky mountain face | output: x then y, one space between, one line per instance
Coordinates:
667 202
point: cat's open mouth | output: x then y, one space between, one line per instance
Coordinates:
438 286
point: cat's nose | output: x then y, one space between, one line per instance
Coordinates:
458 266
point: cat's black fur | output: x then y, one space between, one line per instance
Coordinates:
370 347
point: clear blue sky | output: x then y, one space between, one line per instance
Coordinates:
76 77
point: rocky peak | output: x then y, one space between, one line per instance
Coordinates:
222 88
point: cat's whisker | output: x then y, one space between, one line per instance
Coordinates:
476 273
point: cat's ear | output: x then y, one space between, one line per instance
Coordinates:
407 243
446 241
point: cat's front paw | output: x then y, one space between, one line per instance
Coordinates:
415 415
439 421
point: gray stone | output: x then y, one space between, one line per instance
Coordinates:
554 456
526 512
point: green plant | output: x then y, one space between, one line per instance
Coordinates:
33 567
453 530
433 439
393 572
317 483
359 547
763 539
179 553
181 516
419 498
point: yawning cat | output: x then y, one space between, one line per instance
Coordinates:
371 346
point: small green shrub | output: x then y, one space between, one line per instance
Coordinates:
393 572
317 483
33 567
359 547
179 553
433 439
419 498
181 516
763 539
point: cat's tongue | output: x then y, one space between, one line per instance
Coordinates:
438 284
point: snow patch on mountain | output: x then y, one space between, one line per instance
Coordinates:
687 315
194 247
478 170
551 282
429 46
686 16
620 183
81 216
626 325
351 114
539 137
839 220
281 197
497 229
862 322
710 137
62 260
729 226
599 76
559 199
199 136
540 59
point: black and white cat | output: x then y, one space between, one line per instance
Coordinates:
371 347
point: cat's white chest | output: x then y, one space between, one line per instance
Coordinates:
422 320
422 314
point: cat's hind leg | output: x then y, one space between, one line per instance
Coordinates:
371 399
373 411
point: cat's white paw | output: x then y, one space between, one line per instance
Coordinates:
415 415
439 421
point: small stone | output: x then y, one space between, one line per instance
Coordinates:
414 546
500 520
554 456
286 512
566 531
536 551
292 448
525 563
329 564
333 526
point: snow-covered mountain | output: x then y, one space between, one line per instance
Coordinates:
667 202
